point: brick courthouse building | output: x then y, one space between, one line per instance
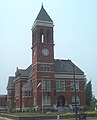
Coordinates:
47 82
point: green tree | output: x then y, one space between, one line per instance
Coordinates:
88 93
93 100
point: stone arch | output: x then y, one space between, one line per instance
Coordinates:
61 101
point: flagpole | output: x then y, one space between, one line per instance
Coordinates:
41 83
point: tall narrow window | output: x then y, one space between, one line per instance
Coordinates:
77 100
42 38
46 85
76 85
46 100
60 85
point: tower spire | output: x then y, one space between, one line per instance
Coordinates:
42 18
43 15
42 5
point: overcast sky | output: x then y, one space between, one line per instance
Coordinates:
75 35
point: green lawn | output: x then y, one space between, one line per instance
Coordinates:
31 113
53 113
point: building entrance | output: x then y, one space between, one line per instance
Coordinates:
61 101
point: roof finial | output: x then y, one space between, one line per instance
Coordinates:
42 4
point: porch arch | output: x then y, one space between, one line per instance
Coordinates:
61 101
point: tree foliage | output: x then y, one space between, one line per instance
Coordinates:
88 93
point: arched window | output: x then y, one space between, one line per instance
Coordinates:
77 100
41 36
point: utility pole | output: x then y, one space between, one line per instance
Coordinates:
75 91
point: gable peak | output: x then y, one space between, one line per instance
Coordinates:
43 15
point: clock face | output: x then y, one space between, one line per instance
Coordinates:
45 52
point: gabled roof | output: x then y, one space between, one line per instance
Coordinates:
30 73
66 66
27 86
10 84
23 72
43 15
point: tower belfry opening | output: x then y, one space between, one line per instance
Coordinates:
42 38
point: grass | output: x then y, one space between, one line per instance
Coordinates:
23 114
91 112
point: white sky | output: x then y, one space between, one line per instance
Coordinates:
75 34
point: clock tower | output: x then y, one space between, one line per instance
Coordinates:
43 61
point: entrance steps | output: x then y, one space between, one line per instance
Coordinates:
63 109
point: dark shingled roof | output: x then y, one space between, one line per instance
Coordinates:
43 15
66 66
10 84
24 72
30 74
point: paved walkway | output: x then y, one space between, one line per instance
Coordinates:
3 118
88 118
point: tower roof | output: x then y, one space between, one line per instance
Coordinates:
43 15
42 19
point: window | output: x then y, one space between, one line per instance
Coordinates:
77 100
46 85
60 86
42 36
76 85
45 68
46 100
26 93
